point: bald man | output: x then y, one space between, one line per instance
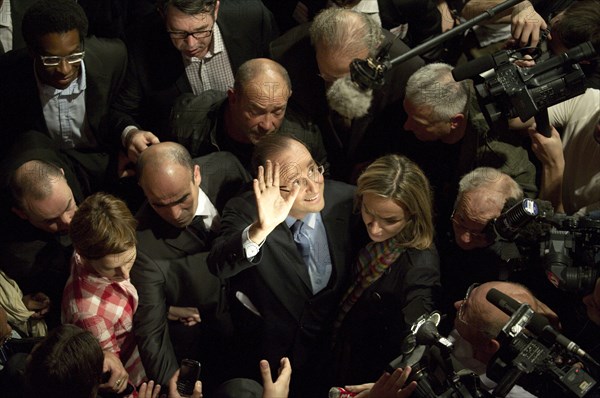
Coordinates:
256 106
478 323
176 225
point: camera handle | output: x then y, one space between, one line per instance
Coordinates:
542 123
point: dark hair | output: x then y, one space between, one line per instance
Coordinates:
52 16
189 7
169 153
67 363
579 23
268 147
33 179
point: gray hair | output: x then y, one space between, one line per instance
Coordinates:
492 179
346 31
433 86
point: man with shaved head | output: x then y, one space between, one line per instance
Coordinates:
256 106
178 297
478 323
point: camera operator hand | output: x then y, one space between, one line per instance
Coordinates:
388 386
549 151
526 24
592 304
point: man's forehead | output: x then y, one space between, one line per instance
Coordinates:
267 90
201 18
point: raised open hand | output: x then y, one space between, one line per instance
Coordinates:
273 207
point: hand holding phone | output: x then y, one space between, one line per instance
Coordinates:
189 372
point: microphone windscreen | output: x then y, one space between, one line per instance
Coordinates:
473 68
346 98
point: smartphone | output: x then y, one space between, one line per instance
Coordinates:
189 372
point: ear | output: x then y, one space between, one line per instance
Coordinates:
197 176
20 213
217 9
457 120
231 97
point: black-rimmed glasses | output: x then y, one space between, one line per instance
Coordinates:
182 35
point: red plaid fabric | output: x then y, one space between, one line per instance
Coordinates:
105 308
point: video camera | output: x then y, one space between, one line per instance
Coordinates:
567 248
533 359
428 354
510 91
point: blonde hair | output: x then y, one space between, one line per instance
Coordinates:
102 225
398 178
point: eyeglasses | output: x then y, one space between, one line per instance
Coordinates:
182 35
461 309
474 234
54 60
314 173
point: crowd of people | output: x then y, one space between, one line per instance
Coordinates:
203 179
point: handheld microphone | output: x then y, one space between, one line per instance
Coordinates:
538 324
425 331
508 224
339 392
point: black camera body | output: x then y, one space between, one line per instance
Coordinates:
570 253
428 354
512 91
542 366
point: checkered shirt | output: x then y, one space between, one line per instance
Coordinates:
213 72
105 308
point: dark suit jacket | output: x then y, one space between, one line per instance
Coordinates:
171 269
372 332
198 123
293 322
17 10
366 140
156 74
20 106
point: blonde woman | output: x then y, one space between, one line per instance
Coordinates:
397 273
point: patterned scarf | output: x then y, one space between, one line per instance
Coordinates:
373 260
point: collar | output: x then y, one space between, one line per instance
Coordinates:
80 270
5 19
309 220
77 86
203 208
216 45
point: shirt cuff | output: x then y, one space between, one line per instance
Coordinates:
251 249
125 134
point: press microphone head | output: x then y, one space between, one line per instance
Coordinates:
508 224
348 99
427 333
